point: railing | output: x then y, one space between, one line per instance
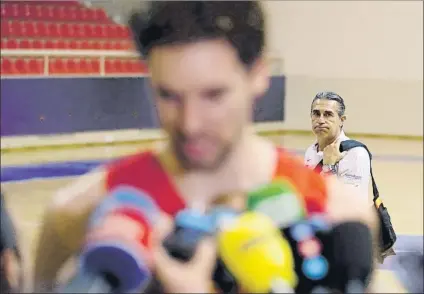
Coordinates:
275 63
47 54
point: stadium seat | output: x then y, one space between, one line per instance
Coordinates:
56 66
5 28
28 29
25 44
21 66
97 45
50 44
11 44
35 66
111 31
95 65
71 66
99 31
38 44
53 30
7 66
61 44
40 29
100 15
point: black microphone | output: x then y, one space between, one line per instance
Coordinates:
352 256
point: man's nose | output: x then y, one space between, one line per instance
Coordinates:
190 120
321 119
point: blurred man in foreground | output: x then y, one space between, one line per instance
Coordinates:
207 67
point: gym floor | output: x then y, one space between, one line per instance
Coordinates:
29 179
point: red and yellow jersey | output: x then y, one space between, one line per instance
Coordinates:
144 171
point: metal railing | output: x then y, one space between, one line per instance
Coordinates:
47 55
275 63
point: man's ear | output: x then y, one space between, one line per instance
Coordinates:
343 118
260 77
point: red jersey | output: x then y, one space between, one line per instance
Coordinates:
144 171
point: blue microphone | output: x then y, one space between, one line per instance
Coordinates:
116 256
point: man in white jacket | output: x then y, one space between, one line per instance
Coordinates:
352 167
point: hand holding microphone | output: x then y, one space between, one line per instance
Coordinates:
117 255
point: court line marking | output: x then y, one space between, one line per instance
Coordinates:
83 166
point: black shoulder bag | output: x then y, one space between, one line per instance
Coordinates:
387 235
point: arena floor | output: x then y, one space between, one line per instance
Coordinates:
29 180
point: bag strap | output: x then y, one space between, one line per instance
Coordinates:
349 144
346 146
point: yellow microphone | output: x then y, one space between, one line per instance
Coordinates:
257 255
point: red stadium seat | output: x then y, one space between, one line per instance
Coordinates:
78 30
123 32
117 45
95 65
25 44
5 28
61 44
29 29
100 15
90 15
107 45
127 66
3 44
53 30
65 30
56 66
50 44
84 66
111 31
15 28
45 13
7 66
35 66
34 11
10 10
109 66
71 66
41 29
23 10
38 44
99 31
72 13
59 13
21 66
97 45
118 65
88 30
82 14
74 44
11 44
85 45
6 10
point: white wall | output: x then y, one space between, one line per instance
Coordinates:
370 52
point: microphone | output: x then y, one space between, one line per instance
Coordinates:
307 235
116 257
353 256
253 250
279 201
190 227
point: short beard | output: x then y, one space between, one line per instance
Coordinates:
187 165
